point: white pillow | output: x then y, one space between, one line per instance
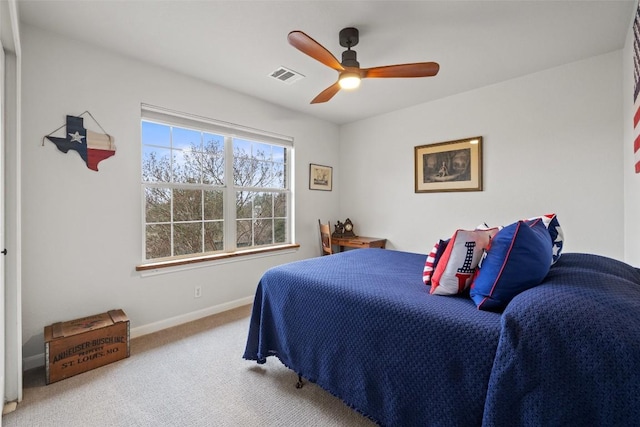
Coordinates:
454 271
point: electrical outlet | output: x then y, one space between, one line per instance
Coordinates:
197 292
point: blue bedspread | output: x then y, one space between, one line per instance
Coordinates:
569 350
362 325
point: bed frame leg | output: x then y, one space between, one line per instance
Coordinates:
299 384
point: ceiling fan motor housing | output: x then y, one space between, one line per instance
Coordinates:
349 59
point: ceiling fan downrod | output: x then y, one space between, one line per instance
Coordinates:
349 38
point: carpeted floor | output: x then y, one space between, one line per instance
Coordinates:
190 375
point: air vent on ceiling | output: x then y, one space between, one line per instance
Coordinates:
286 75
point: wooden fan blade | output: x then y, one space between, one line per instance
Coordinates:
327 94
309 46
418 69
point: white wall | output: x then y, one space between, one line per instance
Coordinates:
82 229
552 143
631 179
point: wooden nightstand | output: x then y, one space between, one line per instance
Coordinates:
359 242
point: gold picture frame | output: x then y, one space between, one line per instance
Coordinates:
449 166
320 177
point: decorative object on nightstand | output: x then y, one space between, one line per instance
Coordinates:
344 229
348 229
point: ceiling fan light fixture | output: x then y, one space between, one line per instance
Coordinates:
349 69
349 80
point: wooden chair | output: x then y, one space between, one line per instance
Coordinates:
325 238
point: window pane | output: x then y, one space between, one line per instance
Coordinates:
156 164
213 205
263 230
158 241
213 236
241 148
277 179
244 171
243 233
188 166
187 238
244 204
250 172
262 205
156 134
258 164
277 154
280 205
261 151
187 205
263 176
158 204
186 139
279 230
213 159
252 164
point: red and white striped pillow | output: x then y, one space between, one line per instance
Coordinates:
432 260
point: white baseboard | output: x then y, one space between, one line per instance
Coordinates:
33 362
189 317
37 360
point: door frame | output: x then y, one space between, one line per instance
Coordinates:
10 187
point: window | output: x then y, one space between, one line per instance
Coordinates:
212 187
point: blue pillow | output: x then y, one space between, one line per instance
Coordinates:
555 231
518 258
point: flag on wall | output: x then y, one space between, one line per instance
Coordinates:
92 147
636 89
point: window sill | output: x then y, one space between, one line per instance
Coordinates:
205 258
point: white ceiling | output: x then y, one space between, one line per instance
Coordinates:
237 44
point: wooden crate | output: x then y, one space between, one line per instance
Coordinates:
83 344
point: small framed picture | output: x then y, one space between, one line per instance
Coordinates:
449 166
320 177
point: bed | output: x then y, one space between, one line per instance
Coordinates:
363 326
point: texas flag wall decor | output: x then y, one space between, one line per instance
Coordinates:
92 147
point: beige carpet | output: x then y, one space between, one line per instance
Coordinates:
190 375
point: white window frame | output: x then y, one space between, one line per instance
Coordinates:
229 131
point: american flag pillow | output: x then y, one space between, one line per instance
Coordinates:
432 260
455 269
550 221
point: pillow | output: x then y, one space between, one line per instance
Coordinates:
432 260
518 258
557 236
454 271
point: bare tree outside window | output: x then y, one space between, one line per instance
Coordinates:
185 185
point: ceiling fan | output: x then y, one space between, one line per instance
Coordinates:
349 68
